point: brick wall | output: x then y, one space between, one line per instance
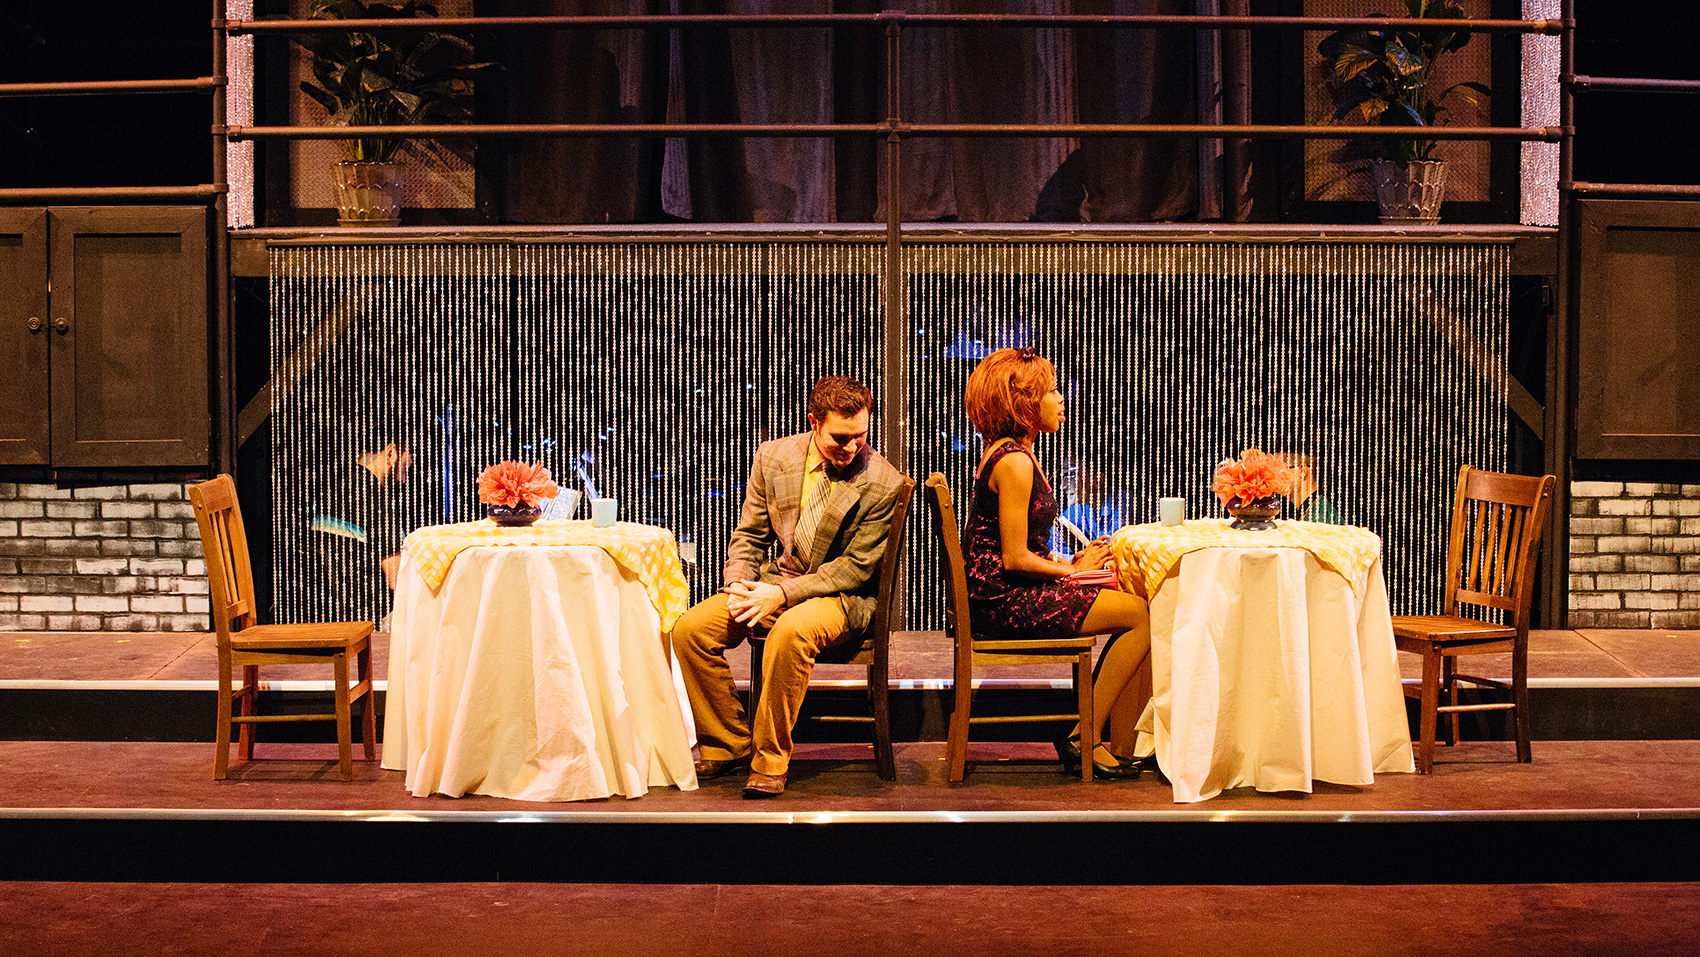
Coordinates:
112 558
128 558
1634 555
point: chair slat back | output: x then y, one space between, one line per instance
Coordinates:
1496 527
891 566
956 575
224 540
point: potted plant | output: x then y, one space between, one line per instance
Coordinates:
1384 77
394 78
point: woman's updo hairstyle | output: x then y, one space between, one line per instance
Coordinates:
1003 393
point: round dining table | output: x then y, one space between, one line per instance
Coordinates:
532 663
1272 656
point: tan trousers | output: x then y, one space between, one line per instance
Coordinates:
700 639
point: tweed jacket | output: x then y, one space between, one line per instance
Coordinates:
850 537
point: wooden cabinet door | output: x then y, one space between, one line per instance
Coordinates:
1638 309
129 368
24 331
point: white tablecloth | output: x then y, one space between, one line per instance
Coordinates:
1268 671
536 673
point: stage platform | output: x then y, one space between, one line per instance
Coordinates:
1582 811
1594 808
1584 685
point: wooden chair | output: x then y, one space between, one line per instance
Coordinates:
241 643
971 651
874 651
1490 563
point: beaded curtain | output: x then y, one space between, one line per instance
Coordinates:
649 371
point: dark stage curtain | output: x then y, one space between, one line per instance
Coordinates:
970 75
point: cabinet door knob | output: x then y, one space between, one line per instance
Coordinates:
35 323
61 325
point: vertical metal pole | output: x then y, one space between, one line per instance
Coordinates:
894 436
1555 550
894 413
224 377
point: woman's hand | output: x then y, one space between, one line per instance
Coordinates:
1095 555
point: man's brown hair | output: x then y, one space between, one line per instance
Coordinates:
840 394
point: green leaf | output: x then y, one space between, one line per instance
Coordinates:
325 99
1470 91
1373 110
1401 114
1352 97
1401 61
1353 61
410 103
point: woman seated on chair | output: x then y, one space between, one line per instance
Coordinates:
1016 587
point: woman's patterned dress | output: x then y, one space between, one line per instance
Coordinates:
1010 604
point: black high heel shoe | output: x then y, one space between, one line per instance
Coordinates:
1068 751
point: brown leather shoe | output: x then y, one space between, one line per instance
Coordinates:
764 785
713 768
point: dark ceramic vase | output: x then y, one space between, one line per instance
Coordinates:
1255 516
517 516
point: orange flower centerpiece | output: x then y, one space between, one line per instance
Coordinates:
514 491
1251 487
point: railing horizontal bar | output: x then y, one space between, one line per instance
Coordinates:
1207 130
1629 189
1606 84
107 194
807 130
80 87
781 20
554 129
924 232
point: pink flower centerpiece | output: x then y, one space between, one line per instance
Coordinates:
1251 487
514 491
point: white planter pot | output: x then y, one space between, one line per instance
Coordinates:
1409 195
368 194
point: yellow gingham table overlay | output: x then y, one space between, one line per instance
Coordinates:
646 551
1152 551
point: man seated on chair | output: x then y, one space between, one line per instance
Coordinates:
820 501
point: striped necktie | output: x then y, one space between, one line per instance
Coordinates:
809 521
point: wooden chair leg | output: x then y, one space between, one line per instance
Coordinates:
963 692
879 699
250 703
1520 698
1428 710
1449 688
1088 726
221 735
758 648
344 726
369 715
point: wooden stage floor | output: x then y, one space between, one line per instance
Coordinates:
1592 656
